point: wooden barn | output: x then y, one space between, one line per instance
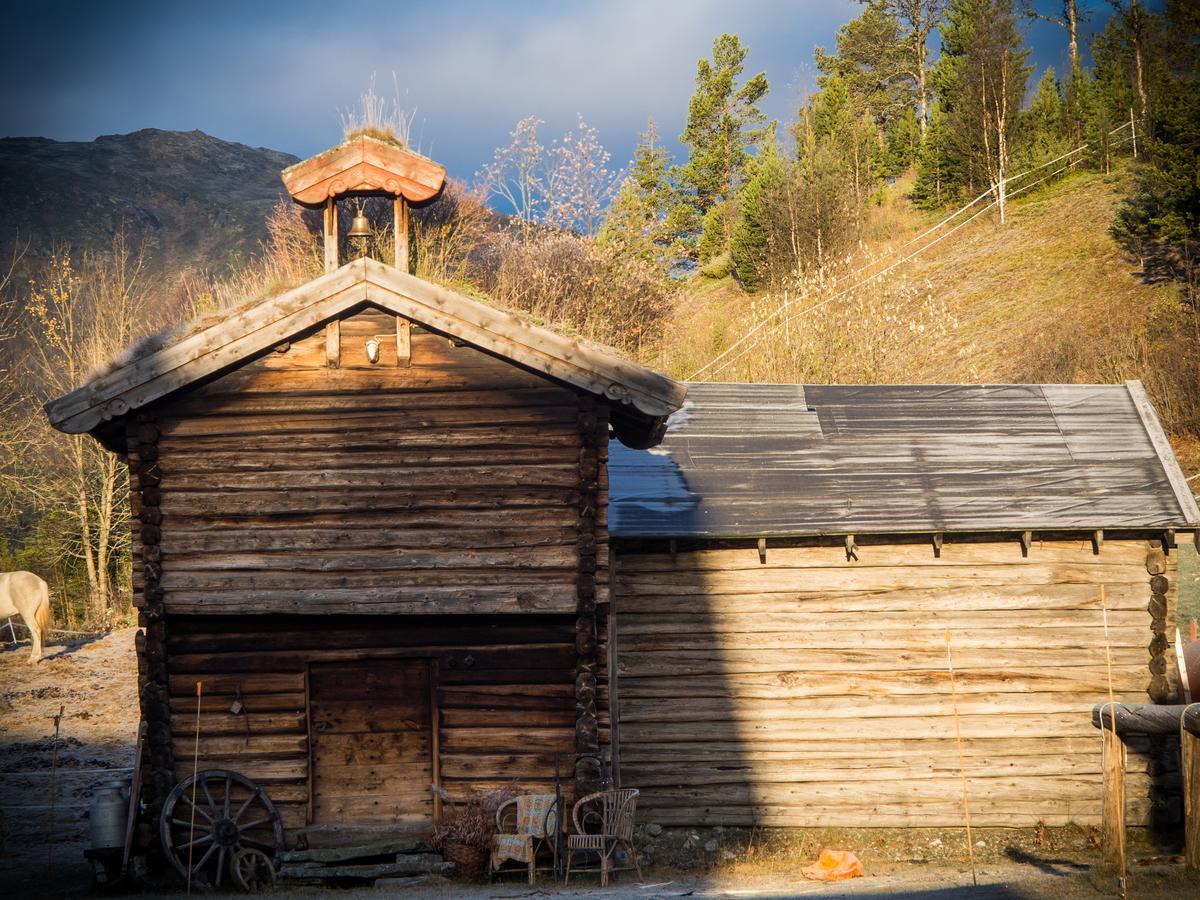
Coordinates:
372 512
405 539
796 567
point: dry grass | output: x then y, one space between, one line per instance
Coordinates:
1047 298
567 281
378 117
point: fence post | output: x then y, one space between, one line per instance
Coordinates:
1112 828
1189 752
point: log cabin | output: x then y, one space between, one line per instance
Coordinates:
407 540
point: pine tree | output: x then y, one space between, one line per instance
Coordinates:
1160 221
724 123
758 242
638 224
902 143
872 62
712 244
980 81
1044 126
937 172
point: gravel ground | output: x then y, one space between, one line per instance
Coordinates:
95 685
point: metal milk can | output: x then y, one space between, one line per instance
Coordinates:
109 814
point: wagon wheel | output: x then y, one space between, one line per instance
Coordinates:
231 814
252 870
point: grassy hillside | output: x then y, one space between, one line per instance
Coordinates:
1048 297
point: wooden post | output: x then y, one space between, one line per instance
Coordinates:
403 342
400 216
333 344
1112 828
1189 746
587 728
435 716
331 235
145 478
333 331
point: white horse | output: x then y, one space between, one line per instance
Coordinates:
26 595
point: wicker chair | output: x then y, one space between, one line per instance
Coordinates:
526 826
603 825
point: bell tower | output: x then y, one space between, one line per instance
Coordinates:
364 166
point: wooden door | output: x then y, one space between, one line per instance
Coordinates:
371 743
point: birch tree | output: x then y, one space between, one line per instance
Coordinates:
579 186
516 173
78 318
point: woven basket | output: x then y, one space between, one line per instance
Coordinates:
469 862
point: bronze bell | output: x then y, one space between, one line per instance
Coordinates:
360 227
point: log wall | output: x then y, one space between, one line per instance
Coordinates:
813 691
312 507
504 689
452 484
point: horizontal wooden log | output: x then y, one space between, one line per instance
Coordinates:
921 754
1034 725
870 578
401 419
804 621
800 685
1008 814
248 634
1141 718
1114 553
917 706
293 537
258 503
332 476
250 725
544 657
474 600
1085 789
702 662
735 772
349 561
183 685
860 599
918 638
305 394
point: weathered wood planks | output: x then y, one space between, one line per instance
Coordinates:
504 689
757 693
400 493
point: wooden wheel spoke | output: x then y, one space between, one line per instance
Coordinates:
203 859
212 804
228 794
189 802
265 820
246 805
196 842
199 826
257 845
220 867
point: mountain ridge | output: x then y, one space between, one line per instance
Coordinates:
187 198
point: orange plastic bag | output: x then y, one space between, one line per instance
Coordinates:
834 865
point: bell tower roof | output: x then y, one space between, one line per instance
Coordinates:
365 166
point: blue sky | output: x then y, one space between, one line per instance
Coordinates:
276 74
